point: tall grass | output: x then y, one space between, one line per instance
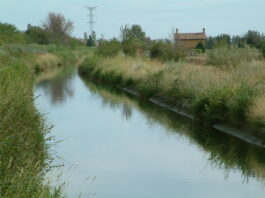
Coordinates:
23 151
232 56
214 94
24 158
39 58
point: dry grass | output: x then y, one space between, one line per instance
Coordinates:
47 61
214 93
129 67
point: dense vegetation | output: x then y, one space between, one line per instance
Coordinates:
23 149
24 157
227 85
55 30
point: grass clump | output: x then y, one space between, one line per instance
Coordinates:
256 113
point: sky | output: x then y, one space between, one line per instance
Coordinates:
158 18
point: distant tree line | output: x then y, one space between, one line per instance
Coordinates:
251 38
54 30
133 41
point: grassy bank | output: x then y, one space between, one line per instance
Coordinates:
41 58
24 158
230 91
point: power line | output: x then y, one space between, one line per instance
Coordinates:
91 16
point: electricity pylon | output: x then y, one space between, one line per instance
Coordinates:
91 18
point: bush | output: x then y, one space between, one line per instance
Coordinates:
109 48
232 56
212 106
200 46
166 51
253 38
10 34
36 34
88 65
129 47
223 104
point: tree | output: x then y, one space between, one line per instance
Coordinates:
133 39
238 41
209 42
10 34
58 27
253 38
222 40
36 34
134 32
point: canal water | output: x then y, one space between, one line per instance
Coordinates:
116 146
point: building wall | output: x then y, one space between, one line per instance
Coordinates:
191 43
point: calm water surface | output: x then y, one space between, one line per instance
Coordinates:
115 146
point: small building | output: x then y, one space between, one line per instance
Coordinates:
190 40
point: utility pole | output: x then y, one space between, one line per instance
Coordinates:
91 18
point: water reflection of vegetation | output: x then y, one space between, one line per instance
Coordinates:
57 84
226 152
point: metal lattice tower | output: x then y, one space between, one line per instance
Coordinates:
91 18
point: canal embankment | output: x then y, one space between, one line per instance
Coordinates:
224 97
23 131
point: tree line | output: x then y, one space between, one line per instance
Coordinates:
133 41
56 29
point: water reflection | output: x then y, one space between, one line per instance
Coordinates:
226 152
57 84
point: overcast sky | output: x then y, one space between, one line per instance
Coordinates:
157 17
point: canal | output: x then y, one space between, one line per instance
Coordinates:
112 145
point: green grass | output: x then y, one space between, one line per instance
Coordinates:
23 151
232 56
24 157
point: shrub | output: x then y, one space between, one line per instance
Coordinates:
58 27
109 48
88 65
166 51
240 102
158 50
10 34
212 106
200 46
129 47
36 34
253 38
232 56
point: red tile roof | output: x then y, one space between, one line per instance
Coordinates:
191 36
